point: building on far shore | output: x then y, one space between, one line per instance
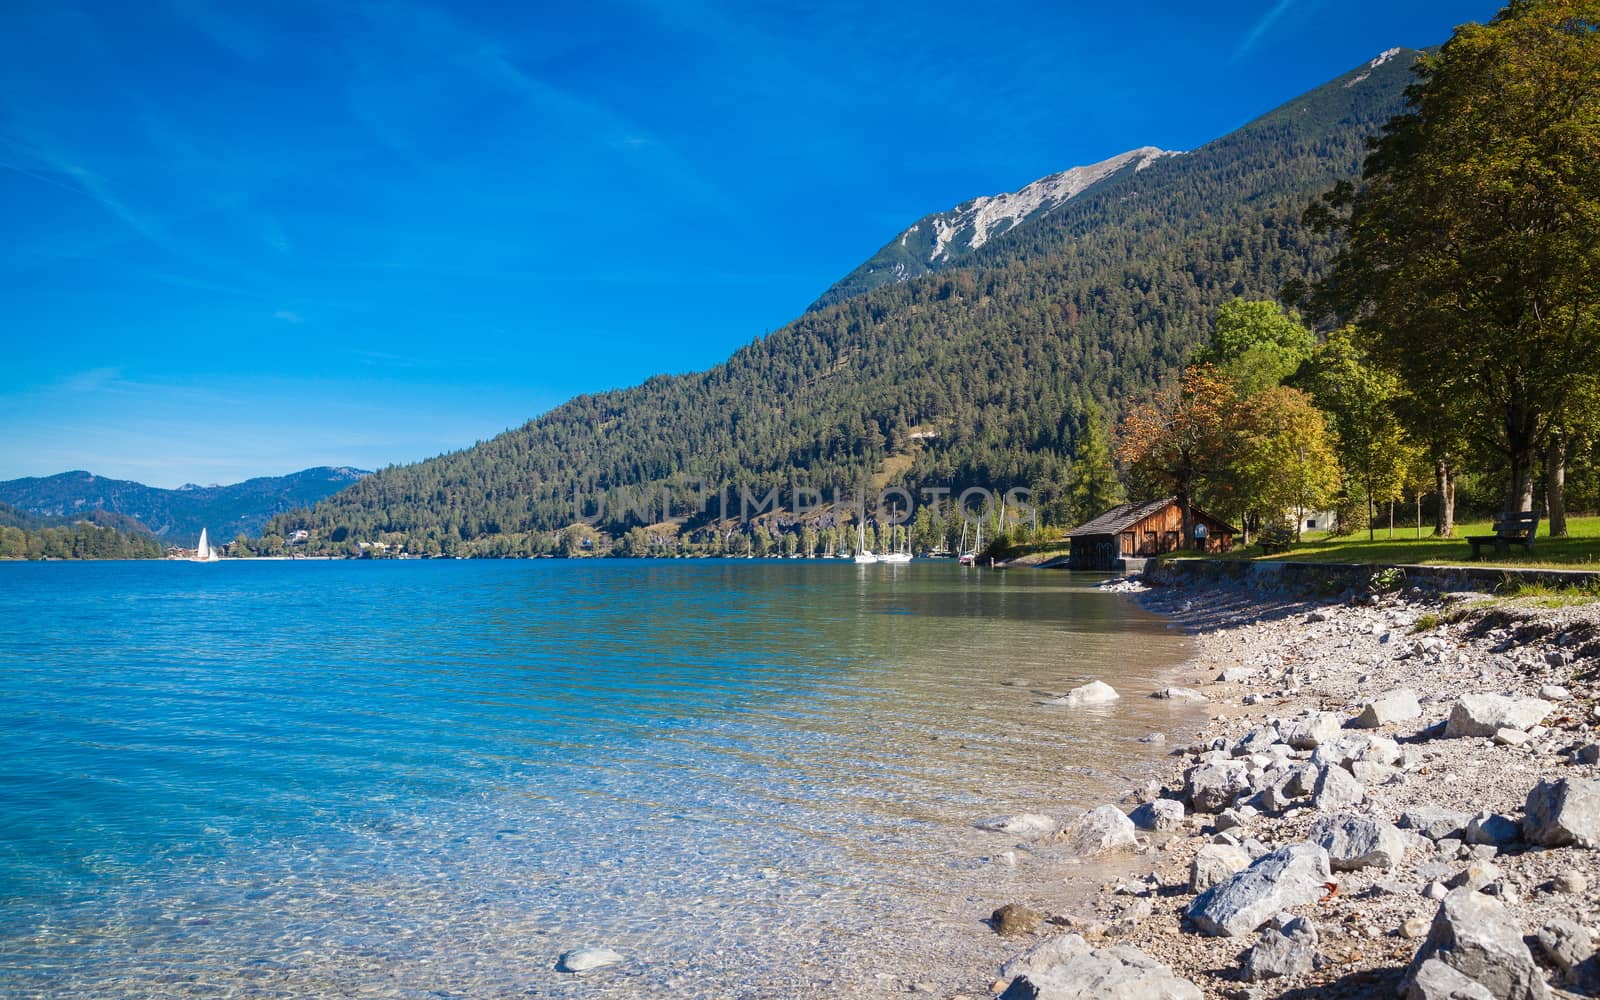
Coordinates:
1142 530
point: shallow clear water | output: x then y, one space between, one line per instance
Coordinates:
431 778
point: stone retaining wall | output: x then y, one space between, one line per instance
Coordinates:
1330 578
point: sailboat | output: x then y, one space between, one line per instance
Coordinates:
203 552
971 558
862 555
894 555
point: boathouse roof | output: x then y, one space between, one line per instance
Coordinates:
1120 518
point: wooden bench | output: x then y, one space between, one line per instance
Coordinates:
1511 527
1276 538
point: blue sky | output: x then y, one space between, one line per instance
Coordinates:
242 239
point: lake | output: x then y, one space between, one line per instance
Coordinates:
431 778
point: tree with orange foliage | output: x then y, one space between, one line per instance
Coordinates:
1180 442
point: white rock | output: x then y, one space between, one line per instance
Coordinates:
1117 973
1396 705
1028 826
1097 831
1435 980
1287 951
1434 822
1354 842
1474 935
1092 693
1554 692
1158 814
1485 714
1290 876
1043 956
584 959
1311 731
1212 787
1558 813
1492 828
1336 789
1216 863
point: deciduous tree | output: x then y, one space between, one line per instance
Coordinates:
1473 255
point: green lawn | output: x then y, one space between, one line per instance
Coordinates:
1580 550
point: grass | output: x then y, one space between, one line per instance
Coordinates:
1541 595
1580 550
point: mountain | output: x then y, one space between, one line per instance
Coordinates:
175 516
977 372
940 240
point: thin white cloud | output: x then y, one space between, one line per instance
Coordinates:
288 316
1262 26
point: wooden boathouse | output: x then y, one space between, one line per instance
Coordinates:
1142 530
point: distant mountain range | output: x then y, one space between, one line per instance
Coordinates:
967 351
174 516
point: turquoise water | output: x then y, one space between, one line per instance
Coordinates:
431 778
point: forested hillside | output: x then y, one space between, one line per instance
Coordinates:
95 534
977 374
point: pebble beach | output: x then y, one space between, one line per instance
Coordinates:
1389 793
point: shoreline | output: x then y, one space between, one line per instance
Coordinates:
1299 671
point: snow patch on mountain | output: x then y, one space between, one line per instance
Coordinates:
972 224
1383 57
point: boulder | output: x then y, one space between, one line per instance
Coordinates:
1216 863
1256 740
1290 876
1028 826
1435 980
1289 950
1097 831
1396 705
1311 731
1348 748
1492 828
1434 822
1236 675
1474 935
1570 948
1554 692
1159 814
1485 714
1354 842
1475 876
1336 789
1180 694
1044 955
1370 772
1117 973
1212 787
584 959
1558 813
1092 693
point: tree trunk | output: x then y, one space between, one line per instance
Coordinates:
1522 440
1445 484
1555 487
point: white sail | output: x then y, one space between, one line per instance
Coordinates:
202 552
